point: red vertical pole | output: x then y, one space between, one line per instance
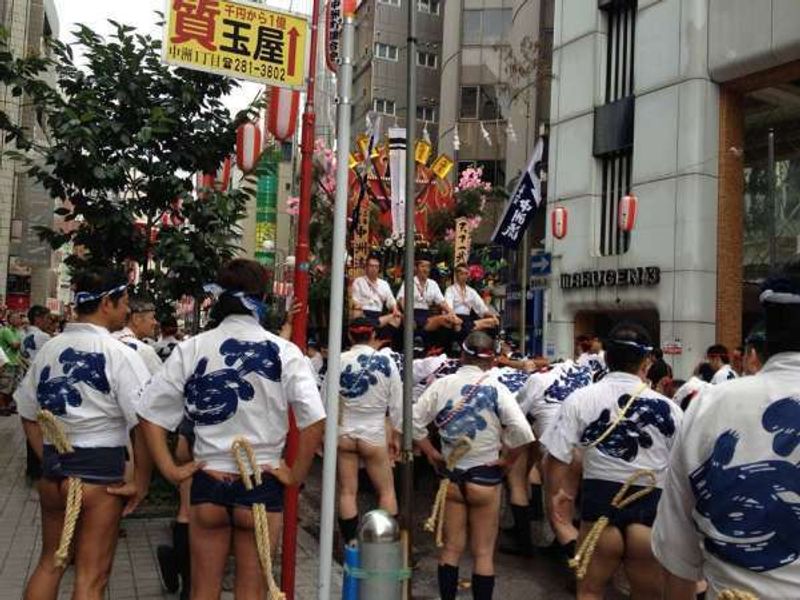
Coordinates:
301 284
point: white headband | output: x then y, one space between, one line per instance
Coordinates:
779 297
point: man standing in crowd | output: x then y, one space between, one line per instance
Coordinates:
720 361
730 514
141 325
11 345
39 330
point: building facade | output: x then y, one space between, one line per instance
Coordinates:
379 79
28 268
672 101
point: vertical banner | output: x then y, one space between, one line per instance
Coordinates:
361 242
463 242
267 208
397 168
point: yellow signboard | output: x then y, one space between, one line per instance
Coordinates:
442 166
237 40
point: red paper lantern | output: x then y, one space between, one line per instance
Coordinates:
283 108
559 222
223 178
628 207
248 146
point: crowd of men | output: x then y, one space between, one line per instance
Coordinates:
683 487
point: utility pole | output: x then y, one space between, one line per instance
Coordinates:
407 463
773 226
338 259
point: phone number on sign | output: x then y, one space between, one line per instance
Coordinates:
247 67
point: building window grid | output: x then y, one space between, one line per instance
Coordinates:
429 60
385 51
479 102
426 113
616 169
485 27
384 106
431 7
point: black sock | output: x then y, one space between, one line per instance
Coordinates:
482 586
448 582
522 526
180 543
536 503
569 549
349 529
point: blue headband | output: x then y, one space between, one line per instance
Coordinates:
86 297
256 307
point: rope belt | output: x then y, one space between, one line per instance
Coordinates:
435 523
736 595
242 449
584 555
52 430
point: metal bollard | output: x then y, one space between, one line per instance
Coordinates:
352 564
382 571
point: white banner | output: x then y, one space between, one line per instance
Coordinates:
397 167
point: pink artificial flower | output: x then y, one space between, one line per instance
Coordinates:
319 145
474 222
449 235
476 272
293 206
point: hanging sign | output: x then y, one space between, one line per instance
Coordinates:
361 241
442 166
522 205
237 40
333 34
463 242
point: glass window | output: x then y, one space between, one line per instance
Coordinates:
428 6
385 51
469 102
427 59
471 26
488 108
381 105
390 2
496 23
426 113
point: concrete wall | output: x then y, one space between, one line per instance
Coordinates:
674 171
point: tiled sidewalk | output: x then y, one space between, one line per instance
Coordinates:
135 572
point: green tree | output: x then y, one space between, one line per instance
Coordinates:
126 136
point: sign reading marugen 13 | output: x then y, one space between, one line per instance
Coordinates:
639 276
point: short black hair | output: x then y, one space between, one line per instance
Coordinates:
139 304
705 372
385 332
658 354
757 340
627 347
478 348
36 312
361 330
719 351
239 275
97 282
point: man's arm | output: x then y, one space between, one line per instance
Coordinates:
34 434
136 489
155 437
310 439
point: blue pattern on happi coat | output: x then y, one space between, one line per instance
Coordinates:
54 394
754 508
355 383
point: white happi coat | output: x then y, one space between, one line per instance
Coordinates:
513 379
641 441
730 512
89 381
235 380
596 361
424 296
545 391
32 342
147 352
372 295
725 373
369 388
465 302
489 418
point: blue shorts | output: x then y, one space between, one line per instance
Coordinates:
231 492
373 316
596 497
489 476
421 316
91 465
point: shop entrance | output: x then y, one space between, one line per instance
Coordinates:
600 323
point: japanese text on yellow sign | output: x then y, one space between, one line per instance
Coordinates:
237 40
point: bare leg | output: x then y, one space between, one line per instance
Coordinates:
347 472
44 582
209 539
96 541
606 559
455 528
484 517
380 473
644 573
562 494
517 477
250 579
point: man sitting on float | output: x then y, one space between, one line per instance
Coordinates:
427 295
